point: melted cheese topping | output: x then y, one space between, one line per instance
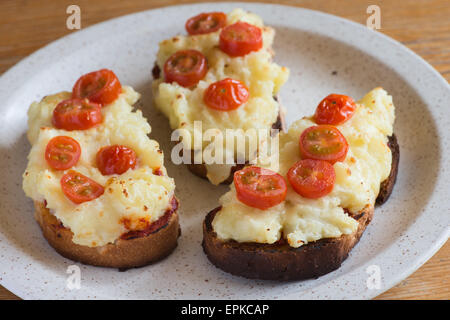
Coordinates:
131 200
358 179
263 78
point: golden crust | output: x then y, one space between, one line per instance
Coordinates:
124 254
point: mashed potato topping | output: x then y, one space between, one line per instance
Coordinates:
263 78
137 196
358 179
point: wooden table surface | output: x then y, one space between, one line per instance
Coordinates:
423 26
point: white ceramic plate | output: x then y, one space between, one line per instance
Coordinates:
325 54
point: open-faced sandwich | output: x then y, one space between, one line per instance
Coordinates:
300 219
101 191
220 77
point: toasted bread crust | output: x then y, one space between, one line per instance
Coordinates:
388 184
280 261
122 254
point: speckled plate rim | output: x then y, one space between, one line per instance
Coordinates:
396 56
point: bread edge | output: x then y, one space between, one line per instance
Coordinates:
123 254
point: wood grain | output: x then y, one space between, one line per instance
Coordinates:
423 26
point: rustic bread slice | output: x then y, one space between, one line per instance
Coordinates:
279 261
124 253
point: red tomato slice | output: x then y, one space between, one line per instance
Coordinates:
323 142
259 188
206 23
62 152
79 188
312 178
226 95
115 159
186 67
335 109
76 114
240 39
100 86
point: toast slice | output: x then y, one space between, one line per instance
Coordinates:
133 220
129 251
279 261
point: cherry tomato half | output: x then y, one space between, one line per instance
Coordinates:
79 188
115 159
225 95
323 142
186 67
312 178
259 188
100 86
240 39
76 114
334 109
206 23
62 152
